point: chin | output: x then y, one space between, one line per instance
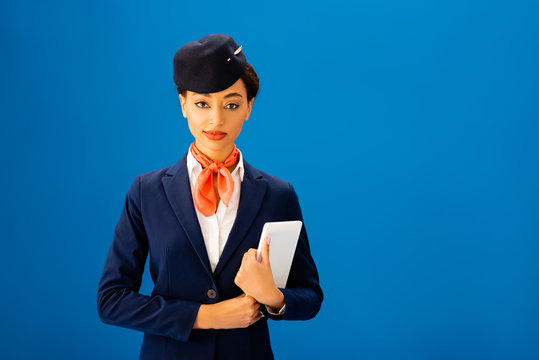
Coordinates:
215 145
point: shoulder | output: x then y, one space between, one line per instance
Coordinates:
273 181
145 183
153 175
278 189
282 192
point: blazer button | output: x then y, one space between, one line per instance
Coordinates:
212 294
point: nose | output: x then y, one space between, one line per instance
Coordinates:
217 116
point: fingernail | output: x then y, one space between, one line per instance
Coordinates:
268 240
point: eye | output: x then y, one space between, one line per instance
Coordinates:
232 106
202 104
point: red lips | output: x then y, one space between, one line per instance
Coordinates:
214 134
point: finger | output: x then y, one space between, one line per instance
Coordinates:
257 318
255 314
237 280
248 298
251 254
265 251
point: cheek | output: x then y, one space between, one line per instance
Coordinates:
191 128
239 120
237 126
195 128
195 121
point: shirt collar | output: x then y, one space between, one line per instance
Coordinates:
194 165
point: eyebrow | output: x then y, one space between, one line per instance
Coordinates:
226 96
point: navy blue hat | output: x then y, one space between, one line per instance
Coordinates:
210 64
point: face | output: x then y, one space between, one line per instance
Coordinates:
216 119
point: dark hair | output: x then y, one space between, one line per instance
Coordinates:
250 79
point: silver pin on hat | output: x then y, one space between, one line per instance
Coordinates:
238 50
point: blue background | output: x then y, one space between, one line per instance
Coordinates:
408 128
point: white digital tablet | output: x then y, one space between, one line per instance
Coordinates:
284 237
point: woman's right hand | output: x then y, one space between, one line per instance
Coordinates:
238 312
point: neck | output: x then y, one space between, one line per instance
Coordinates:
216 155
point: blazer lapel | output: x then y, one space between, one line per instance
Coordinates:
253 189
178 191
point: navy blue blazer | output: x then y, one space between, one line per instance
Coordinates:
159 217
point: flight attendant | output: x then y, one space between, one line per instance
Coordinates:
200 221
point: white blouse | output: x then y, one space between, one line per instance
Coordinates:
216 228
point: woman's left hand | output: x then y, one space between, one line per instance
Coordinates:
256 279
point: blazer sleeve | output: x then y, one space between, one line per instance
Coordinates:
303 294
118 300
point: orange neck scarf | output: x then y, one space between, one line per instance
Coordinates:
204 195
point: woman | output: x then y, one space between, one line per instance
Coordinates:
200 219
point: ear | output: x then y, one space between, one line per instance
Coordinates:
183 102
250 107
